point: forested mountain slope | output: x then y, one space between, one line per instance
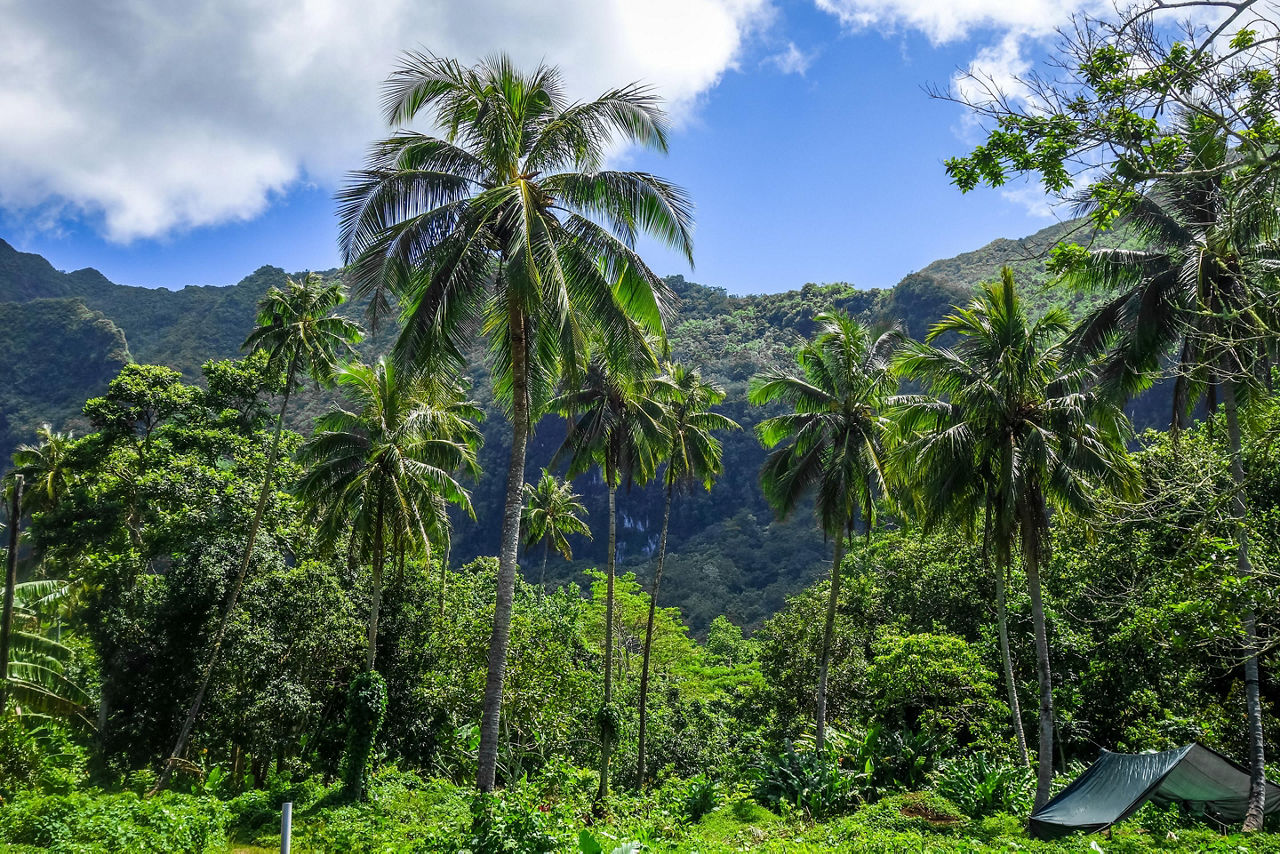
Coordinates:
66 335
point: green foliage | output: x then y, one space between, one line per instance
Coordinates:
936 684
103 824
981 787
814 782
366 711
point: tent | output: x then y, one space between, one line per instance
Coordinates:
1115 786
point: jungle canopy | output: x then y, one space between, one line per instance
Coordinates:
1115 786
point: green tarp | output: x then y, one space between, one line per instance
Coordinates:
1115 786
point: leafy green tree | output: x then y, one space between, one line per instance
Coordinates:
1006 393
831 443
552 512
1201 297
619 426
385 469
693 455
510 221
301 335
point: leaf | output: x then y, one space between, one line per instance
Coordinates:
587 843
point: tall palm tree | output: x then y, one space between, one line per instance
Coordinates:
1201 297
1006 394
302 336
552 512
943 480
45 467
510 224
831 443
693 455
619 427
385 469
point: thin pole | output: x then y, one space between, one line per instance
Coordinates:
286 826
11 582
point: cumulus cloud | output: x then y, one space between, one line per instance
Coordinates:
791 60
148 116
948 21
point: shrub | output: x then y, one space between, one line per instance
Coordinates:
983 787
94 823
809 780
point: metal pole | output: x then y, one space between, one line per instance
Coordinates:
286 826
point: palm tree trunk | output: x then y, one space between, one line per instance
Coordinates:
648 635
606 737
444 575
509 548
184 735
1044 757
546 553
828 631
375 593
1244 569
10 586
1002 625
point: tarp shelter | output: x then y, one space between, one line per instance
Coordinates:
1114 787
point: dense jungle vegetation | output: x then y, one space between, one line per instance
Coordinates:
570 557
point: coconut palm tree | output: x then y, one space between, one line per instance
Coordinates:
509 224
1200 300
384 470
830 443
302 336
618 427
1009 404
941 480
693 455
552 512
45 467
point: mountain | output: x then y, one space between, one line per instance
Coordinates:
66 334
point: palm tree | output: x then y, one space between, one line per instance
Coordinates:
297 329
619 427
384 469
510 224
552 512
832 439
1202 297
944 480
693 455
45 467
1007 397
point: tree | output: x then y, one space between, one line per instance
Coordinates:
1200 301
45 466
384 470
510 222
552 512
1005 392
693 455
301 336
1128 111
830 443
950 481
619 427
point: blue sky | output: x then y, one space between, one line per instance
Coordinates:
830 173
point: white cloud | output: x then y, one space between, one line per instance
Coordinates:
949 20
791 60
151 115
